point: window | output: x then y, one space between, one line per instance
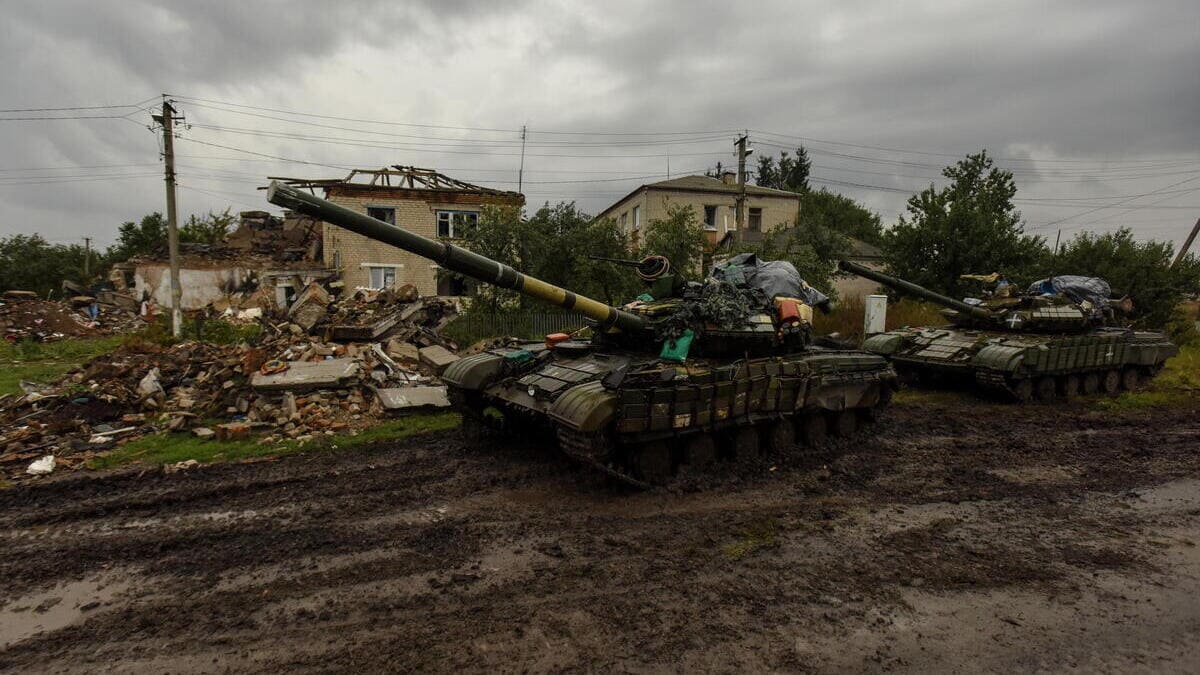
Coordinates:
455 223
384 213
637 218
625 222
382 277
710 217
755 222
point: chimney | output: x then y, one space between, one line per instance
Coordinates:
729 177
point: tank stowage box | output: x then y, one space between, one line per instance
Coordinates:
689 374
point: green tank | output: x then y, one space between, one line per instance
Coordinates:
1059 338
689 375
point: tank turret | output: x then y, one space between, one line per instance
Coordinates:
717 317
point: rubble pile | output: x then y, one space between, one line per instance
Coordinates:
25 316
288 385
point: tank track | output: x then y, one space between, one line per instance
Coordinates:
589 449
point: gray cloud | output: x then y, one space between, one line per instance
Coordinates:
1097 83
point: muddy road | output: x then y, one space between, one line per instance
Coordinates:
960 537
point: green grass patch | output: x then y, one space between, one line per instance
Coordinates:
1179 382
759 535
45 362
179 447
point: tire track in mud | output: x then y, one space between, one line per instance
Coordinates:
436 555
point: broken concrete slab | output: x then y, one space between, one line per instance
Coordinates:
408 398
305 375
436 357
309 307
403 351
203 433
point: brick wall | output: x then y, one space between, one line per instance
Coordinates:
415 213
776 211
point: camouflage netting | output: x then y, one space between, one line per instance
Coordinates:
721 303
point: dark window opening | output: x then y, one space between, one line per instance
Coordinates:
387 215
755 224
710 217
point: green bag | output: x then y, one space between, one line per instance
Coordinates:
677 349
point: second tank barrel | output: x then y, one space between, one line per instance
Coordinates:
912 289
451 257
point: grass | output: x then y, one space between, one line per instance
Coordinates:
847 318
45 362
758 535
1179 382
179 447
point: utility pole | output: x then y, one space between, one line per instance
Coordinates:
168 126
87 257
521 173
740 210
1187 244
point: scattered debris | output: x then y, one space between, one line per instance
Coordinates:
41 466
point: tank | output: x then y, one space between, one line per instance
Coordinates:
1059 338
686 377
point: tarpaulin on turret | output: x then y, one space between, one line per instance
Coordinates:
775 278
1078 288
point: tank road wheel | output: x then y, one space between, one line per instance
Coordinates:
782 436
700 452
1022 390
745 443
652 461
1091 384
1069 386
1131 379
845 423
1047 389
1111 382
814 429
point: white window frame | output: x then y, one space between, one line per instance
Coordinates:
371 267
450 214
637 218
625 222
710 227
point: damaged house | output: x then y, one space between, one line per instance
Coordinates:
423 201
263 263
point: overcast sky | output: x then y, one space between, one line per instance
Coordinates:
1090 103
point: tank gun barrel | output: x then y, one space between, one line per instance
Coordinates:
451 257
910 288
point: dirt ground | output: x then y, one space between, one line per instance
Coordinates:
961 536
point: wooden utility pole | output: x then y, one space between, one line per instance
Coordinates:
87 257
521 172
168 125
740 209
1187 244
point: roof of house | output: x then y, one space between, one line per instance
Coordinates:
396 177
705 184
861 249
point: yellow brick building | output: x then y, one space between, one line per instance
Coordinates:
713 200
419 200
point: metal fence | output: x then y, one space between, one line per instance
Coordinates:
474 326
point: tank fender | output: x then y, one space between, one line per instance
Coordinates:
846 395
1000 357
585 407
884 343
474 372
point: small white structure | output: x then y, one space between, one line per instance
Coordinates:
875 316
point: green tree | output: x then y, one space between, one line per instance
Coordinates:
790 173
146 237
969 226
1141 270
209 229
30 263
838 213
679 237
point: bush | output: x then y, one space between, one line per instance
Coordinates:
847 317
